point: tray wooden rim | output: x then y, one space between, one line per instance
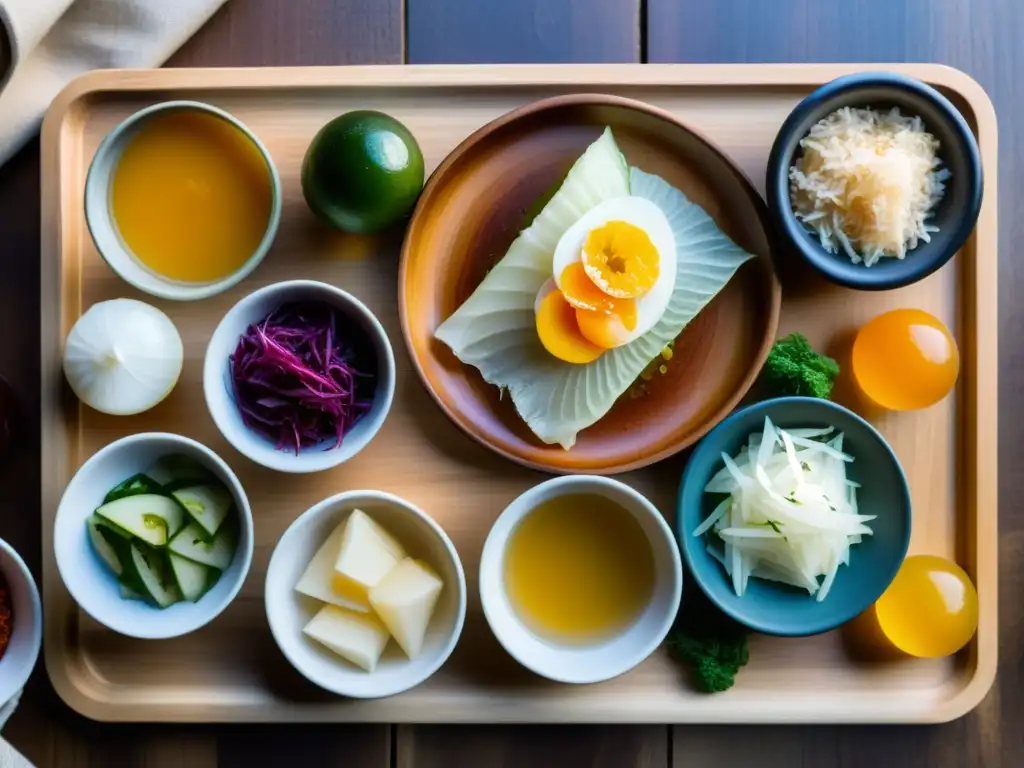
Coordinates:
979 454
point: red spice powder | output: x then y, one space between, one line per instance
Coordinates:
6 616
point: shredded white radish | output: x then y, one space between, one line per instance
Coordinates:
790 514
713 518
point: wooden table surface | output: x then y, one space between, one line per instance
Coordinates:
982 37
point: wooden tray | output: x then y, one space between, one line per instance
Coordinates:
232 671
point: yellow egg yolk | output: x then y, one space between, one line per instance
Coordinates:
930 609
580 317
560 333
580 291
607 330
621 260
905 359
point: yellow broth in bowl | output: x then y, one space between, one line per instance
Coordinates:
579 569
580 578
182 200
191 196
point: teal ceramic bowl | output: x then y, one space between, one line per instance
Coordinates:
777 609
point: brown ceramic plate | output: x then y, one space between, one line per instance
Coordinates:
485 192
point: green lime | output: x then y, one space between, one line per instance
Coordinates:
363 172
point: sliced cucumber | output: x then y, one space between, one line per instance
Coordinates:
193 579
111 528
130 594
153 519
136 485
149 566
111 546
217 553
207 505
179 471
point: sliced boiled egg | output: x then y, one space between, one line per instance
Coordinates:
626 248
620 259
616 267
559 330
608 331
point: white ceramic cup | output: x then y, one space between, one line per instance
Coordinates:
27 630
608 658
219 390
100 219
288 611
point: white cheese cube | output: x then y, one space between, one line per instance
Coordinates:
318 580
405 600
358 637
366 555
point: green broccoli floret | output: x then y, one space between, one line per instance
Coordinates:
794 368
713 660
710 643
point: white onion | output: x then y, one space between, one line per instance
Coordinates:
791 514
123 356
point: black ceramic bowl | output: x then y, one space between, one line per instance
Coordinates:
955 214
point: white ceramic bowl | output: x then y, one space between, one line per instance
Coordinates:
288 611
90 581
587 663
27 635
219 390
104 231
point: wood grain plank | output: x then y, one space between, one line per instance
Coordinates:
48 735
177 747
347 746
476 31
19 470
841 746
807 30
534 746
249 33
261 33
518 31
978 36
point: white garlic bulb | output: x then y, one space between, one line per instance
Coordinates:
123 356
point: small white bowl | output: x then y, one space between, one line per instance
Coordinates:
219 390
27 635
103 228
90 581
288 611
582 663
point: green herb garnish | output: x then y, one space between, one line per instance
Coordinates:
711 644
794 368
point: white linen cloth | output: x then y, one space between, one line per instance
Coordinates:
44 44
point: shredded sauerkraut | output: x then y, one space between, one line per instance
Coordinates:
867 182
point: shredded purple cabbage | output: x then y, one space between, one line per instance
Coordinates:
297 382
